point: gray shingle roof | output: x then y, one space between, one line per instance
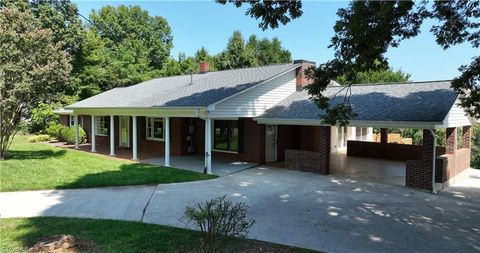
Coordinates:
176 91
415 102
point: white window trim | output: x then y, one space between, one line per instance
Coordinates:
147 135
71 121
97 121
213 137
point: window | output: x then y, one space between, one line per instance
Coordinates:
154 129
72 121
101 125
225 136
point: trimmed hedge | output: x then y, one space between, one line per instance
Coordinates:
55 130
68 135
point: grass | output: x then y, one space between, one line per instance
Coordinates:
36 166
17 235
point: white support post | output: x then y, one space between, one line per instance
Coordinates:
134 138
208 145
93 126
167 141
75 120
112 135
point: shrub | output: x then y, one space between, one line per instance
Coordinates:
55 130
67 135
218 219
39 138
41 115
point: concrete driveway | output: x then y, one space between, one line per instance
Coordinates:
300 209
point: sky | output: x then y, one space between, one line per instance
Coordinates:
205 23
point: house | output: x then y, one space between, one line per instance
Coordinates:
263 115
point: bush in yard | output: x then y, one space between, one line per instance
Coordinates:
218 219
39 138
68 135
55 130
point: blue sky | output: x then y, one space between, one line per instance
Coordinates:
205 23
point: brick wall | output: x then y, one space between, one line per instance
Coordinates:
305 161
313 154
64 120
391 151
449 165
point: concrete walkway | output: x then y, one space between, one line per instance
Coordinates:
300 209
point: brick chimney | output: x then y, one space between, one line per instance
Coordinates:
203 67
301 77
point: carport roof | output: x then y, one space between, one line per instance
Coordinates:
404 102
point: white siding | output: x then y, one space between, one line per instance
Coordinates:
456 117
255 101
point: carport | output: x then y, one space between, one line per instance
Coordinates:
422 105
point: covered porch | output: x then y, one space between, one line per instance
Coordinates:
142 134
220 166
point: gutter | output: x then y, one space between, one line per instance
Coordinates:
434 191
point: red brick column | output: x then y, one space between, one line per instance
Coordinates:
383 135
467 137
419 173
324 149
451 141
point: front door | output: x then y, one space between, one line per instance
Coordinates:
124 131
271 143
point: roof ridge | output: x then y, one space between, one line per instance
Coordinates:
270 65
392 83
217 71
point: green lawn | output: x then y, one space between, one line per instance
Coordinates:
17 235
35 166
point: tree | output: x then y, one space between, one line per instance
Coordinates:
33 69
271 13
365 31
119 24
235 55
124 46
378 76
241 54
268 52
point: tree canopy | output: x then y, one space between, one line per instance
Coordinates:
34 68
240 53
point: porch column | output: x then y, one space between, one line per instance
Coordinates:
134 138
383 135
112 135
167 141
208 145
451 145
75 120
467 137
93 126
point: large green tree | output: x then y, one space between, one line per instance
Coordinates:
375 76
240 53
367 29
124 46
33 69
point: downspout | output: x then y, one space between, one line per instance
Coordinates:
434 191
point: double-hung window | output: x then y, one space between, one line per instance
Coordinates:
101 125
154 129
225 135
72 121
